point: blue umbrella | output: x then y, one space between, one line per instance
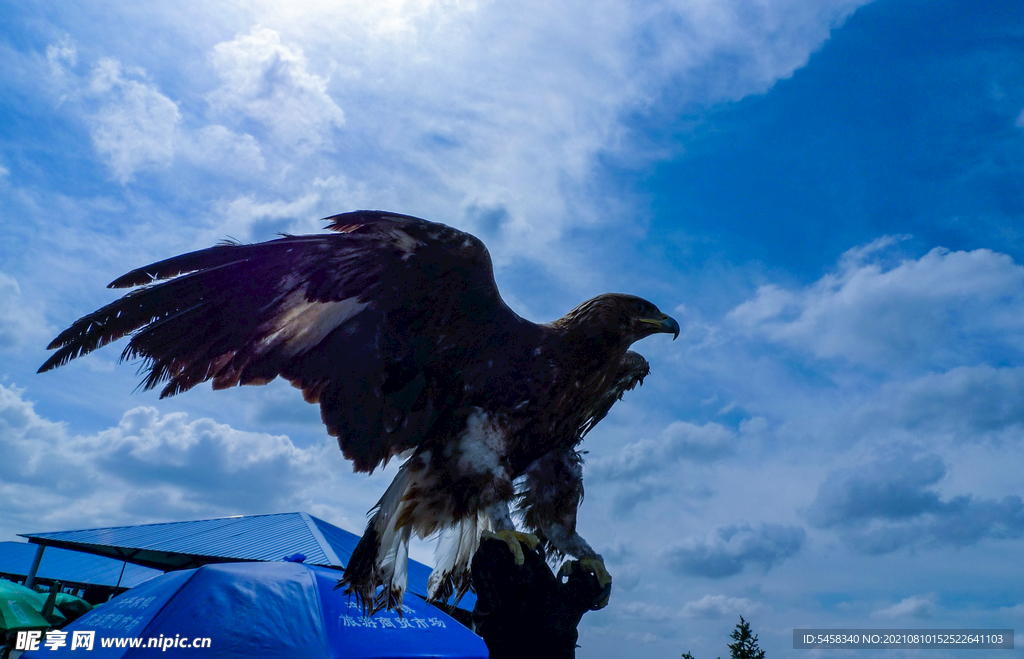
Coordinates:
285 610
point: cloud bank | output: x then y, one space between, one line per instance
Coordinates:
944 309
728 549
154 467
889 504
490 116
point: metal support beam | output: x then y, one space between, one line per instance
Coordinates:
31 578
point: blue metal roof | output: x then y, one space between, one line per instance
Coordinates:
71 566
178 545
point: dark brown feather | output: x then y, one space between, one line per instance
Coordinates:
380 376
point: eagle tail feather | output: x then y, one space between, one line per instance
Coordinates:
382 555
394 571
453 558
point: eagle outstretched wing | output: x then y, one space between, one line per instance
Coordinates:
552 489
375 322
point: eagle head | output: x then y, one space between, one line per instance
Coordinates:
628 318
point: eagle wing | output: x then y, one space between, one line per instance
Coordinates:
553 488
632 371
375 322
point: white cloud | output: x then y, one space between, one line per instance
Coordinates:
680 440
728 549
21 320
968 404
251 217
915 606
891 488
890 503
155 467
264 80
135 125
709 606
213 461
57 54
491 116
943 309
717 606
646 471
646 611
59 57
217 148
1017 610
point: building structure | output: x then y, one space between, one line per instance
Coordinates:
181 545
83 574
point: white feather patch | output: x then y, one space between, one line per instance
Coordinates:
454 554
388 507
394 566
481 446
302 324
392 560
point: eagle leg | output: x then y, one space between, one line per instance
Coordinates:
506 531
549 502
565 540
515 541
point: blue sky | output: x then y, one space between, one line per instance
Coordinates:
826 194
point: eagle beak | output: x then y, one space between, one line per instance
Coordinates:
667 325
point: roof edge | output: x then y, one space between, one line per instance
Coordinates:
130 526
321 540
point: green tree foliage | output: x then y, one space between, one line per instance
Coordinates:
745 646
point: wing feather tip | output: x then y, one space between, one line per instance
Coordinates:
131 279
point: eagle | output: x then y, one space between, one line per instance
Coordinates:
395 327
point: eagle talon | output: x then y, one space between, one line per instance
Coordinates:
567 568
595 566
514 540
